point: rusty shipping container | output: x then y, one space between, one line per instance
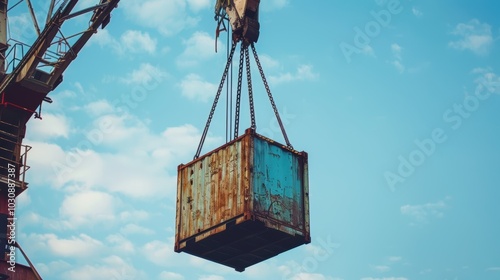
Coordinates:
243 203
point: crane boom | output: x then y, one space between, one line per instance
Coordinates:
22 92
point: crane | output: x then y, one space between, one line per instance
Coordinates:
28 73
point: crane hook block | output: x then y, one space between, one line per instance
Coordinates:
243 17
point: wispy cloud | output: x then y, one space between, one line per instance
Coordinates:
199 47
143 75
423 212
494 268
474 36
381 268
195 88
131 41
309 276
167 275
368 50
53 126
303 72
395 258
416 12
198 5
167 17
397 57
385 278
274 5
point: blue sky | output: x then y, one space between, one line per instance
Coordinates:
396 103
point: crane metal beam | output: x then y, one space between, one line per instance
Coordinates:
101 17
43 42
33 17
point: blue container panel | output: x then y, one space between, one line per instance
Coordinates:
278 184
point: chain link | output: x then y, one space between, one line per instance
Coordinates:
238 93
271 99
214 105
250 90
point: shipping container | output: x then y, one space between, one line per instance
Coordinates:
243 203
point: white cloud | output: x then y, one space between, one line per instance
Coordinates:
31 218
496 268
145 75
161 253
81 246
23 200
168 17
52 268
197 5
50 127
37 159
83 4
112 267
131 41
396 51
199 47
88 208
130 229
136 215
135 157
211 277
310 276
98 108
399 66
166 275
273 5
120 244
21 26
304 72
423 212
381 268
395 258
104 39
381 2
368 50
208 266
138 42
416 12
264 270
488 80
195 88
294 271
426 271
268 62
475 36
385 278
397 61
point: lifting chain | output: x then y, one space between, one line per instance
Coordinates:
250 90
212 111
243 54
238 93
271 99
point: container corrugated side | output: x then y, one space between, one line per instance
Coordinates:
280 186
213 189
